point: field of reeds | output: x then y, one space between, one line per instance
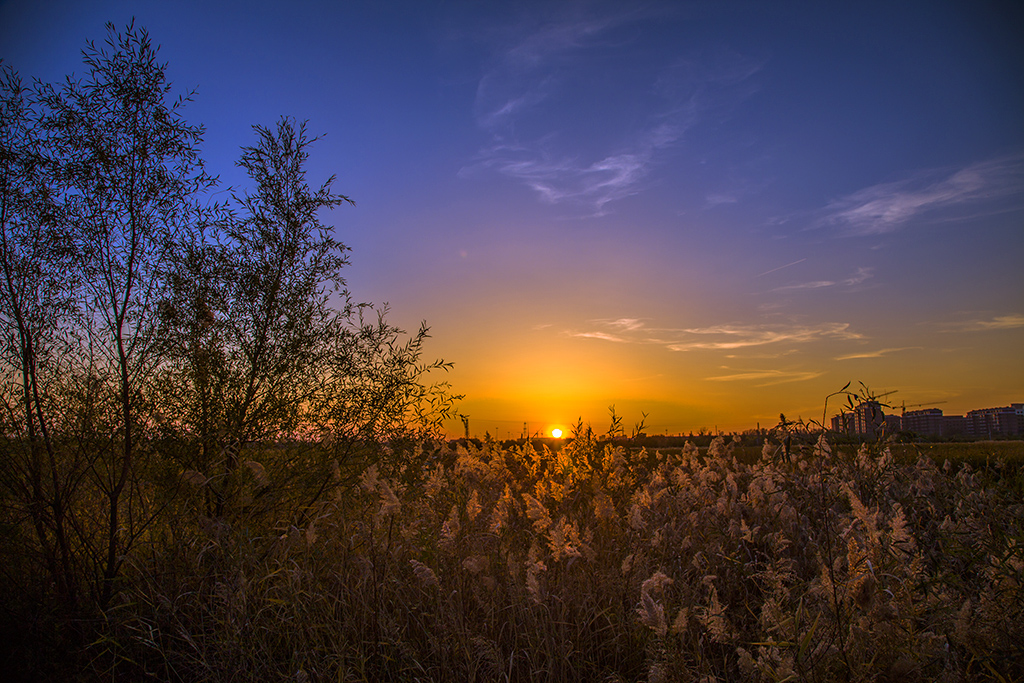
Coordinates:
595 562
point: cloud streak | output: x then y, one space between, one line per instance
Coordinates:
772 376
524 106
989 186
875 354
861 276
775 270
1002 322
720 337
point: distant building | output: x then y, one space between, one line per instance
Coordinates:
924 422
843 423
954 425
868 419
989 422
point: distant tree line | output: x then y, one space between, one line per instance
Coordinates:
163 354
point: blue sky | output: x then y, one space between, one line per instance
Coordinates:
711 212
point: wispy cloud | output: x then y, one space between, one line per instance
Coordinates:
601 335
719 337
859 277
627 324
1002 322
983 187
816 284
875 354
720 198
788 265
749 356
771 376
524 105
741 336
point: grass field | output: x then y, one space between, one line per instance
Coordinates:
596 562
976 453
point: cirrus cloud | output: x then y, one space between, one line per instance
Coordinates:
770 377
716 337
1001 322
523 105
991 186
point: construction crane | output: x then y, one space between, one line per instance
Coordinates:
868 397
918 405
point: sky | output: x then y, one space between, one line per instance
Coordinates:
710 213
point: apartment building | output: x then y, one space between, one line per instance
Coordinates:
989 422
924 422
868 418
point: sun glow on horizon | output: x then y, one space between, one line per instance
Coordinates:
557 433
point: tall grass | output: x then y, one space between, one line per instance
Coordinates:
595 562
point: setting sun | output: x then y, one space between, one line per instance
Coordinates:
557 433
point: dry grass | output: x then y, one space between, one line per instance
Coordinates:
596 563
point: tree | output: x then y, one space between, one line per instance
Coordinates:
148 340
267 339
249 317
35 302
129 172
283 267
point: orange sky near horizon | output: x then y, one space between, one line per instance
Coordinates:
549 377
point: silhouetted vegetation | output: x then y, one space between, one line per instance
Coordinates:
154 342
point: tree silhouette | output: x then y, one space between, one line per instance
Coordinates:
129 170
165 360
